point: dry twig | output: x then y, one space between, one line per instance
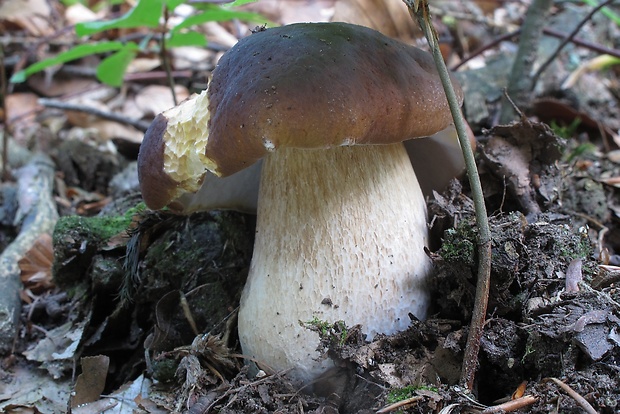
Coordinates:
419 10
112 116
511 405
574 395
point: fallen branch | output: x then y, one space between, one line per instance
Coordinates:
112 116
37 215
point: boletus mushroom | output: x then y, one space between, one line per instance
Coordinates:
341 225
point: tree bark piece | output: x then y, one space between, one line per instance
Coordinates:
521 76
36 214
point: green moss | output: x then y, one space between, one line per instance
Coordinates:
165 370
98 229
573 246
459 245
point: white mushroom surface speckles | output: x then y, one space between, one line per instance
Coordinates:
346 224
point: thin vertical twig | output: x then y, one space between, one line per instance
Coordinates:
164 57
419 10
5 136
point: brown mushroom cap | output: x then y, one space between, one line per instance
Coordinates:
318 85
307 85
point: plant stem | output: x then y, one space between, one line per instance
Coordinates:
420 11
166 60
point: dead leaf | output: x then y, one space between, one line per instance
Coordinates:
141 65
59 85
154 99
36 265
91 382
78 13
573 276
390 18
520 391
510 163
549 109
613 181
35 16
21 107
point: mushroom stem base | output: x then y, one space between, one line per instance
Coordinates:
340 236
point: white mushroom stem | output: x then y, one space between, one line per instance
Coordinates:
340 236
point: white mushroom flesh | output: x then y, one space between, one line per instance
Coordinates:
340 236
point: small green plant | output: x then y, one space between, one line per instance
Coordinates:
581 150
399 394
566 131
336 332
319 325
344 332
146 13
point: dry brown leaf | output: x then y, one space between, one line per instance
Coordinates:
21 107
110 129
154 99
140 65
84 119
35 16
613 181
294 11
91 382
58 85
553 110
388 17
189 57
36 265
78 13
520 391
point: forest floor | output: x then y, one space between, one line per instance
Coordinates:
94 338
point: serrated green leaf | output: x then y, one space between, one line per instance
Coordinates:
147 13
218 15
74 53
186 39
112 69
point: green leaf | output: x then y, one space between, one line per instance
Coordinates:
172 4
74 53
147 13
237 3
112 69
186 39
218 15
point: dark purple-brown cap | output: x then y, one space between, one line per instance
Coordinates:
309 85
